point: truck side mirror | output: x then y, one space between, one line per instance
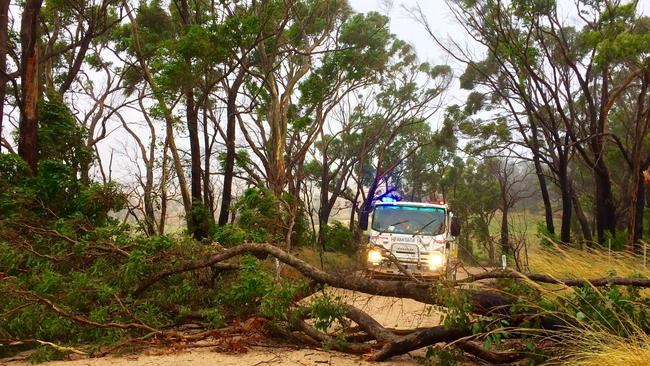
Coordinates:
454 227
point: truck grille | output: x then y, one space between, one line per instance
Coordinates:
405 252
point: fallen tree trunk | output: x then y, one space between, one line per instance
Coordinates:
483 301
570 282
419 339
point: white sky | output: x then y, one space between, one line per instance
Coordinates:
444 25
405 28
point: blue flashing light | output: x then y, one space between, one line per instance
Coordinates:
389 196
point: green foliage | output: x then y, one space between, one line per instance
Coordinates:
547 239
60 137
260 213
255 290
325 310
44 354
253 283
200 220
617 240
615 309
14 172
457 304
265 218
338 237
215 317
229 235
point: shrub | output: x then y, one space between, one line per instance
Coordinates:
337 237
200 221
255 290
265 218
546 238
229 235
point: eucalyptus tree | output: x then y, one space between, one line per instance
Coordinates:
54 39
555 80
423 171
177 53
392 116
361 57
29 89
471 188
294 33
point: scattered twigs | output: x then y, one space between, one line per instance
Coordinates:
64 349
78 318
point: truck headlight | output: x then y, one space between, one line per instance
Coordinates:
435 260
374 256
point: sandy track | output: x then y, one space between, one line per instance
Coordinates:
205 357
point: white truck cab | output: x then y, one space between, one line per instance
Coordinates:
420 236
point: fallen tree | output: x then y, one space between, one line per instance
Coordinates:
477 312
483 302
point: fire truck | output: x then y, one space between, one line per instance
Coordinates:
412 239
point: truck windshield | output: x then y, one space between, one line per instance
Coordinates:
408 219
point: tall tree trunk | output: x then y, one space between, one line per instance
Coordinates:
4 36
323 212
277 177
640 130
195 223
208 194
231 131
605 208
366 206
565 188
546 198
163 191
195 147
353 209
149 213
505 234
582 219
28 131
638 210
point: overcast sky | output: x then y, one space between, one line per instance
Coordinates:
407 29
444 25
441 21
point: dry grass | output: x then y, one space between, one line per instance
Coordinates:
587 342
332 261
591 348
562 262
